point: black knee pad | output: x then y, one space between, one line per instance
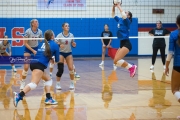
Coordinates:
60 69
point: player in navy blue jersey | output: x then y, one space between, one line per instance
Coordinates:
174 48
123 35
37 68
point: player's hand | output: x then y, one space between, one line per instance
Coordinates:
104 45
167 71
34 52
62 46
73 44
52 61
108 46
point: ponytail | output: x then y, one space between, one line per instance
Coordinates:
48 35
47 51
178 23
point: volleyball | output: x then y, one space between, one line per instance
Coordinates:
117 1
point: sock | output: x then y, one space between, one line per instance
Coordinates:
50 73
128 66
102 62
13 67
72 81
57 82
22 94
48 95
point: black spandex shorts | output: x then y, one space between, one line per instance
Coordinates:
65 54
176 68
126 43
106 42
37 65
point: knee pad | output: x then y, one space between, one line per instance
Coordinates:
51 65
119 63
48 83
71 72
60 69
24 73
32 85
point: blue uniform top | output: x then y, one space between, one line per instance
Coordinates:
123 28
174 47
54 52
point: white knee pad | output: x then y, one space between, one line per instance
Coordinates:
51 65
48 83
71 72
177 95
119 63
24 73
32 85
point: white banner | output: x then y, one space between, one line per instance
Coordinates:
61 5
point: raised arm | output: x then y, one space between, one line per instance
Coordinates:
123 14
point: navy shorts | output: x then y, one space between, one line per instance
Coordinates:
176 68
126 43
26 50
38 66
65 55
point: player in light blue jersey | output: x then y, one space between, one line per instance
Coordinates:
31 46
123 35
37 68
174 48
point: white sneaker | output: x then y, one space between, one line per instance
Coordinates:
76 75
114 66
71 85
152 67
22 85
101 64
58 86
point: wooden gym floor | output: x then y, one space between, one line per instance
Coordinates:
99 94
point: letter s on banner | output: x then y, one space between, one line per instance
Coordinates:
17 33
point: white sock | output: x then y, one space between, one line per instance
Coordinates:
102 62
72 81
22 80
57 82
74 72
177 95
128 66
50 73
13 66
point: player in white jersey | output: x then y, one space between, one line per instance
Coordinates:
3 46
65 54
31 46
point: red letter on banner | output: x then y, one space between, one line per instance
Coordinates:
2 32
17 33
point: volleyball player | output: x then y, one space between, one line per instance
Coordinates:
158 43
65 54
174 48
106 43
3 46
31 46
37 68
123 36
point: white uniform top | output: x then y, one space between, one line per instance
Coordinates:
4 47
66 42
30 34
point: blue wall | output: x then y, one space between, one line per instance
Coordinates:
80 27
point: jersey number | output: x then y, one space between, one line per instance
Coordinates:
43 46
66 42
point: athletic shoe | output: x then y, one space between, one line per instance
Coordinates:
22 85
16 99
152 67
114 66
101 64
71 85
58 86
132 70
14 70
50 101
76 75
102 67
